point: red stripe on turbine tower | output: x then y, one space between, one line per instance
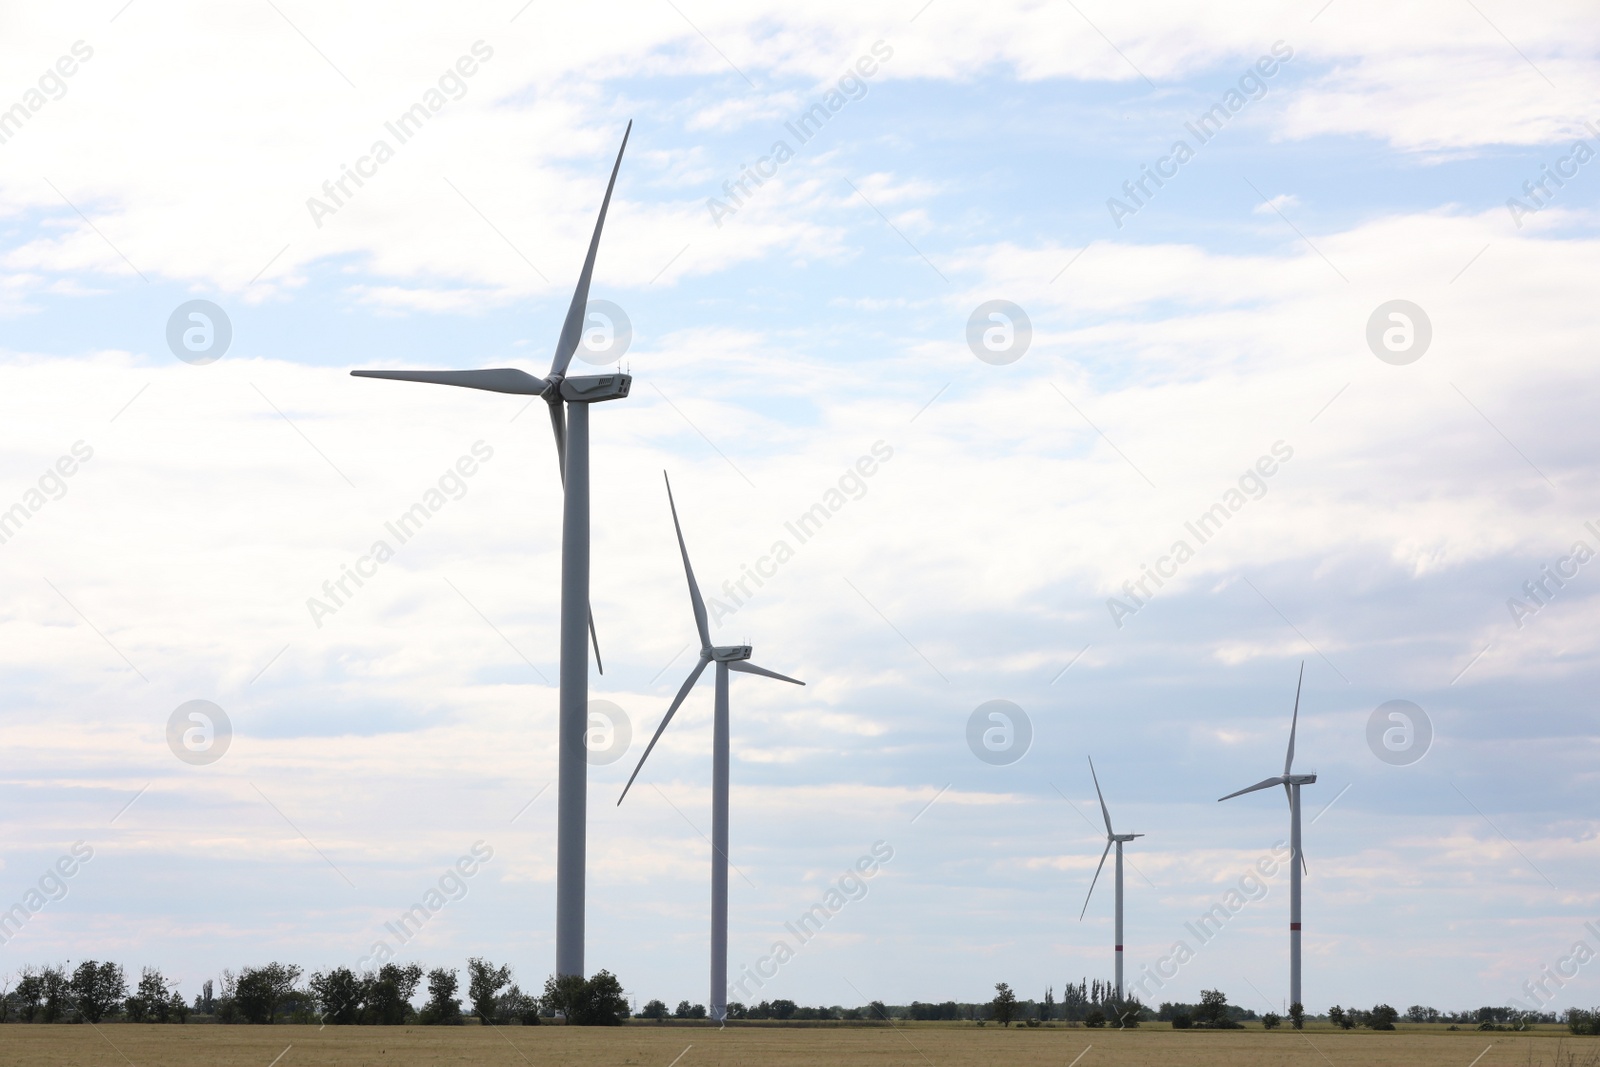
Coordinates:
1294 926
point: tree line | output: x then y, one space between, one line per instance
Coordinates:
96 992
780 1010
100 991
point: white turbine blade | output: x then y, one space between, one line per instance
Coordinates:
572 329
694 588
1267 784
500 380
694 676
1288 761
1096 878
747 667
1102 797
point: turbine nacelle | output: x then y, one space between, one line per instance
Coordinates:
730 653
1300 779
593 388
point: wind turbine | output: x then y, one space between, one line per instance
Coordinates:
1297 861
568 398
1112 838
727 658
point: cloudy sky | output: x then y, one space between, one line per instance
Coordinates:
1160 347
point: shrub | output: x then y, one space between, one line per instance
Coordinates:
657 1010
1094 1017
1270 1021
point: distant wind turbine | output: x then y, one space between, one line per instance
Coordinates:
1112 838
569 398
1297 861
727 658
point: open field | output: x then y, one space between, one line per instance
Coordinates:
914 1045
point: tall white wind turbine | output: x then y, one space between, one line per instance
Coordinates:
1112 838
1291 783
727 658
568 397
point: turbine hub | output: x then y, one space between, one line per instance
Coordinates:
730 653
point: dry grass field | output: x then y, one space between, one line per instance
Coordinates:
915 1045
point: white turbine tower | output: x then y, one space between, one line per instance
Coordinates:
568 397
727 658
1297 861
1112 838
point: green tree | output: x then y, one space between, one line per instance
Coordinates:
98 989
484 982
30 994
443 1008
1382 1017
1096 1018
260 991
600 1001
1213 1010
519 1007
654 1009
341 994
604 1003
150 1002
1297 1015
1004 1005
878 1012
1337 1017
389 993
